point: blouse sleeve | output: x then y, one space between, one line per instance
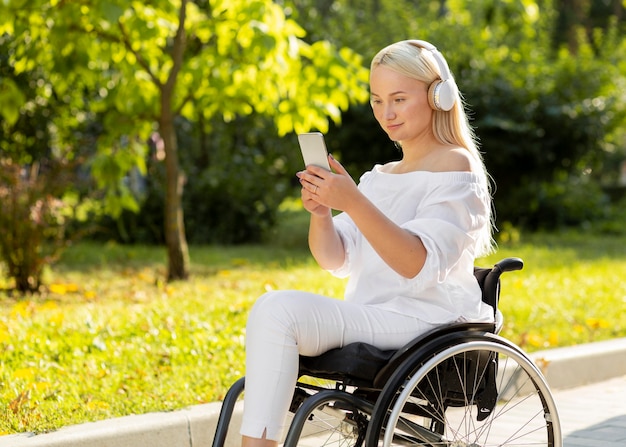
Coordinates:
449 221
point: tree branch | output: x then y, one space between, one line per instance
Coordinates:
140 59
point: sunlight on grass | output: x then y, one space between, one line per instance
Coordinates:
116 340
111 338
570 291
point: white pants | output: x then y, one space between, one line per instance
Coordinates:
283 325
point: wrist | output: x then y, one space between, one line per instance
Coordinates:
321 214
356 204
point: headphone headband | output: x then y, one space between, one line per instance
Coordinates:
441 61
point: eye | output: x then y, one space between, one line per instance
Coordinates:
375 101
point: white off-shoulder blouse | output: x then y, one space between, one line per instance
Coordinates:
449 212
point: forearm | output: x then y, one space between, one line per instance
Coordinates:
324 242
402 251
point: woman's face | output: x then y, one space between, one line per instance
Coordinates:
400 104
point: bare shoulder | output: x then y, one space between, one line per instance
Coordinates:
453 159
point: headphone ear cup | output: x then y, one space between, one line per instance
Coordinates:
441 95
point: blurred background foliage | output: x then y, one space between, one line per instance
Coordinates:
546 91
544 80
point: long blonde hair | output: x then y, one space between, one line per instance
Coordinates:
452 127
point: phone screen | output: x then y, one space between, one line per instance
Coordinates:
313 149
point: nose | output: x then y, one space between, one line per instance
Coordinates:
389 112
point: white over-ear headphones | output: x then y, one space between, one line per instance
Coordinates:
442 93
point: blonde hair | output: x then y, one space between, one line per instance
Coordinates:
452 127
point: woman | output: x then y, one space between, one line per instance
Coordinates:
407 237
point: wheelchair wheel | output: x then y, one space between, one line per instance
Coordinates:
477 393
329 417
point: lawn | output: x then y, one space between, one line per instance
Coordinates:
111 338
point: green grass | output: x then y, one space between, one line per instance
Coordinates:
112 339
570 291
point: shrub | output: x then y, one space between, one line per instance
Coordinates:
236 177
33 218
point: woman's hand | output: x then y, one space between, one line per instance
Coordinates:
323 190
310 199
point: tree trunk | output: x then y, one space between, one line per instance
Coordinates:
175 239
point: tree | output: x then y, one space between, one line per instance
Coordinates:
136 66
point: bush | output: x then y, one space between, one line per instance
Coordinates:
613 223
570 201
546 123
40 179
33 218
236 177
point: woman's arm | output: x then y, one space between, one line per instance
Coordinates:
401 250
324 242
323 191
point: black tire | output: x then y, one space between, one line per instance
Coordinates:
476 393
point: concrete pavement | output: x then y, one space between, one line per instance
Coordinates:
594 415
588 382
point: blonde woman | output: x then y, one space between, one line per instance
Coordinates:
407 237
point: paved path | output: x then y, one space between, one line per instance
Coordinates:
594 415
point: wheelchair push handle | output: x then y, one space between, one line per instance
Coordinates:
509 265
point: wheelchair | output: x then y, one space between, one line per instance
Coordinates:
459 385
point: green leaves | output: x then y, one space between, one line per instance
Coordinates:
109 168
109 11
261 64
116 57
12 100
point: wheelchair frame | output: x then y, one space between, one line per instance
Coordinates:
448 387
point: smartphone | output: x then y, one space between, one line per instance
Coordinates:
313 149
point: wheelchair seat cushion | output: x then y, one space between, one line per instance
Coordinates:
358 361
364 365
